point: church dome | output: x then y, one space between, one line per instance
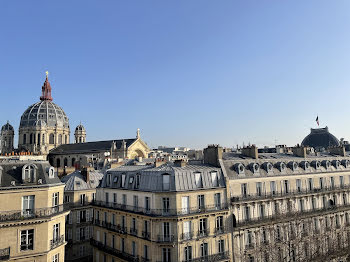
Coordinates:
44 113
7 127
320 138
80 127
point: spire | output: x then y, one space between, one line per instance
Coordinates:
46 89
138 133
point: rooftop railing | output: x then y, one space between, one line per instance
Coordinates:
162 212
295 192
31 213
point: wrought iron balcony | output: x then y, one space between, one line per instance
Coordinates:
146 235
5 254
133 231
275 194
210 258
31 213
162 212
116 228
187 236
57 241
203 233
166 239
114 252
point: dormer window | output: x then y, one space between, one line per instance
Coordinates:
131 180
28 174
166 181
115 180
51 172
137 182
123 180
199 181
214 179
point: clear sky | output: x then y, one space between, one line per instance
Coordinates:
186 72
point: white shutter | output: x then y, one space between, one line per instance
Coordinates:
78 234
78 217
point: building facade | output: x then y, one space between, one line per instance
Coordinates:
7 136
79 192
32 215
162 213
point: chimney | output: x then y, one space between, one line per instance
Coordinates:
337 150
85 173
299 151
250 151
159 162
180 163
212 154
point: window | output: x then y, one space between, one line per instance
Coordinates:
273 187
204 250
56 258
137 183
344 199
113 241
93 196
166 182
166 230
185 205
56 232
107 198
244 190
221 246
122 244
203 226
214 179
136 202
201 204
113 219
145 251
321 183
28 205
115 198
166 204
301 205
332 182
313 203
147 204
341 181
219 224
298 185
258 188
131 180
55 199
249 238
133 248
115 180
124 200
123 222
199 182
27 239
123 180
286 186
310 183
166 256
276 208
82 199
188 253
262 210
51 139
247 213
217 200
29 174
187 230
66 199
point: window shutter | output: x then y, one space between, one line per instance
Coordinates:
78 217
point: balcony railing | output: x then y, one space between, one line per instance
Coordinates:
166 239
289 193
133 231
77 204
211 258
116 228
112 251
187 236
203 233
31 213
290 215
5 254
146 235
162 212
57 242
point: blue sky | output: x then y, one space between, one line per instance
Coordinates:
187 73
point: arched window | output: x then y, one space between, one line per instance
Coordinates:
39 139
73 161
58 162
28 174
52 139
59 139
43 139
31 139
24 139
65 162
